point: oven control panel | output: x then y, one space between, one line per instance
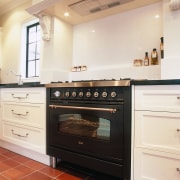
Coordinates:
89 93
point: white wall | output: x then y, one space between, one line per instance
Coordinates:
0 51
11 42
56 56
171 62
1 29
116 42
56 59
108 53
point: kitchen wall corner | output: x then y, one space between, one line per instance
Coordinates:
171 25
170 68
56 56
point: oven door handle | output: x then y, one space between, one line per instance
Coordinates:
111 110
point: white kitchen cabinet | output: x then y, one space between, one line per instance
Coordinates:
158 98
157 132
26 95
20 113
0 116
156 165
24 117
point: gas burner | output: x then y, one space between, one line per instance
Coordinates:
56 82
95 80
90 80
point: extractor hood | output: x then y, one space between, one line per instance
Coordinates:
81 11
86 7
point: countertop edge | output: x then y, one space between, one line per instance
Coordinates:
132 82
24 85
156 82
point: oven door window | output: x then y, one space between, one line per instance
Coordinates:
85 125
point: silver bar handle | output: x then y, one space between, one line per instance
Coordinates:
111 110
19 114
19 135
20 97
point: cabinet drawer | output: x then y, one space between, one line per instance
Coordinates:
28 95
158 98
149 165
24 136
158 130
32 115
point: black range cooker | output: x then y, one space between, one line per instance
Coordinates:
89 124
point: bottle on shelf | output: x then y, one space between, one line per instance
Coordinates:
162 47
146 59
154 57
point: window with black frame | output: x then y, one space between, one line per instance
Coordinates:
33 50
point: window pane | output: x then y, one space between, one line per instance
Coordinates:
31 68
38 33
33 47
38 51
37 68
32 37
32 51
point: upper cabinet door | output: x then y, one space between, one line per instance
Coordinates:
158 98
25 95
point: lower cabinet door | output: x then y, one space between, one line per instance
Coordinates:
31 115
158 131
24 136
154 165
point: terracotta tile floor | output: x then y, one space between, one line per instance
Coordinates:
16 167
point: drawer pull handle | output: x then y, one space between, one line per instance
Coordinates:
19 135
20 97
19 114
178 130
178 97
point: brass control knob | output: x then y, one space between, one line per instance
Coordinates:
96 94
113 94
74 94
57 93
88 94
104 94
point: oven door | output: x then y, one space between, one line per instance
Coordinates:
92 129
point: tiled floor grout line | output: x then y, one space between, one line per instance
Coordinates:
13 158
37 169
5 177
28 174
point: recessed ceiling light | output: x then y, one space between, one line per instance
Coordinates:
157 16
66 14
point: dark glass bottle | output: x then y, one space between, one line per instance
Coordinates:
162 47
154 57
146 59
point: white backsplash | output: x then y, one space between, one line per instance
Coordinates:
116 41
169 68
149 72
108 52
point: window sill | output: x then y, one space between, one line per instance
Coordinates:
35 79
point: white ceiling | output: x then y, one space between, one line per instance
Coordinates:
7 5
79 13
57 8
